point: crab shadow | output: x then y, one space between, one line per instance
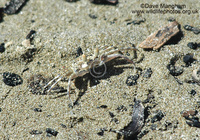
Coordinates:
90 79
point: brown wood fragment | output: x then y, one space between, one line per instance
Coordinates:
160 37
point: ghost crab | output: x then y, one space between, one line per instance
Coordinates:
86 63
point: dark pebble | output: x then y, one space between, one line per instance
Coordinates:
79 52
193 92
12 79
63 126
111 114
103 106
112 2
188 59
101 133
174 70
0 109
136 22
192 45
188 27
37 110
35 132
31 34
159 115
14 6
121 108
2 48
132 80
196 30
52 131
191 28
193 122
92 16
147 73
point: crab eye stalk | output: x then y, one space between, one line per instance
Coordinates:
84 58
96 52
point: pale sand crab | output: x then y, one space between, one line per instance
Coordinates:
86 64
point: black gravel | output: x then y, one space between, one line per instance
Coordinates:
51 131
195 30
35 132
147 73
193 92
37 110
2 48
132 80
188 59
79 52
31 34
193 45
12 79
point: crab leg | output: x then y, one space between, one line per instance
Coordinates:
51 81
114 51
113 56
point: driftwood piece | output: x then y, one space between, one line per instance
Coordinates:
160 37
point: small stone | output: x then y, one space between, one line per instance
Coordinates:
147 73
101 133
111 114
121 108
192 45
63 126
188 59
112 2
196 30
35 132
92 16
52 131
37 110
79 52
132 80
193 92
137 21
188 27
30 34
103 106
2 47
12 79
